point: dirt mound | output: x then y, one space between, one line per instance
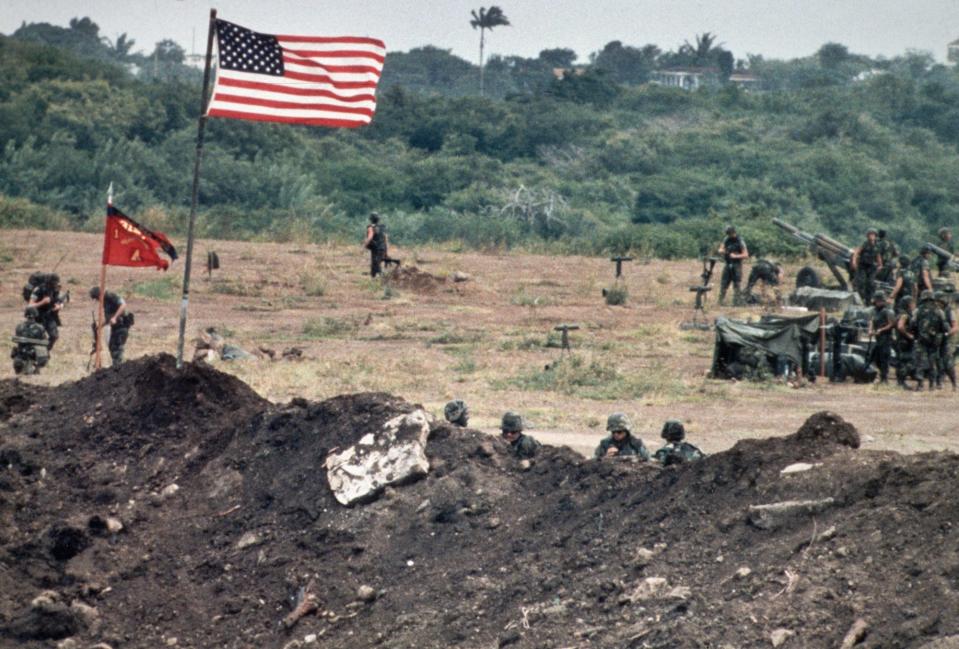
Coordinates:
729 551
412 278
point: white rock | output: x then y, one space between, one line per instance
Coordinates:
799 467
779 636
170 490
460 276
114 525
248 539
648 588
309 639
391 455
366 593
68 643
743 572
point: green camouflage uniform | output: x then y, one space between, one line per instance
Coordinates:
906 348
28 357
882 316
628 446
525 447
733 269
49 317
866 270
119 332
930 327
947 348
888 252
908 276
920 264
677 453
943 264
377 248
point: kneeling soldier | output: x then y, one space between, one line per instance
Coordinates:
621 442
676 451
31 351
522 445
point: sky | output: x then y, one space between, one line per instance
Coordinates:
772 28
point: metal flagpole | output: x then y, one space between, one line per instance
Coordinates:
201 127
98 344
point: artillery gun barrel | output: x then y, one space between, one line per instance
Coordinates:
942 253
805 237
831 244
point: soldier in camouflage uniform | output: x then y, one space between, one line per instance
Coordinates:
904 285
377 242
30 352
882 321
734 251
906 341
866 262
930 328
945 242
116 316
522 445
765 270
677 450
48 302
456 412
888 251
947 348
920 270
621 441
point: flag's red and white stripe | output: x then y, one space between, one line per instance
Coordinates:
327 81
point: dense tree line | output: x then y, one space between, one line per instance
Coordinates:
593 159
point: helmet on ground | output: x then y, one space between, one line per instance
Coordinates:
31 313
456 411
512 423
618 421
95 293
730 230
673 431
872 231
926 295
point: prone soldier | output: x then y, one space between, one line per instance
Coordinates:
30 353
677 450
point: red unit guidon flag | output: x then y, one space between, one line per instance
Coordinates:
316 80
127 243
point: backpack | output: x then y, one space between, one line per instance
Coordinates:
36 279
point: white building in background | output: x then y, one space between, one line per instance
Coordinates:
952 51
685 78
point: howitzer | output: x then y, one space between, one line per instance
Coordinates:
833 253
945 255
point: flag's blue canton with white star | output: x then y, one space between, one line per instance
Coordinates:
248 51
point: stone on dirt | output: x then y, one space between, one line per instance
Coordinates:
773 515
366 593
779 636
392 455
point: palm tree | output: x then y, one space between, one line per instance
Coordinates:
702 50
486 20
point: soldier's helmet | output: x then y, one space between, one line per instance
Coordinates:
31 313
673 431
943 232
872 231
53 280
925 250
95 293
374 217
926 295
730 230
881 233
939 296
456 412
512 423
907 301
904 261
618 421
879 296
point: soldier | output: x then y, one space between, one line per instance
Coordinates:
621 441
920 270
904 285
48 302
734 251
522 445
945 242
377 242
930 328
882 321
947 348
889 252
866 262
769 272
120 320
31 352
906 350
456 412
676 451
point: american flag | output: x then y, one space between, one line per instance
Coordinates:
316 80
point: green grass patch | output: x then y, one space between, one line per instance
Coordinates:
317 328
616 295
598 379
455 338
164 288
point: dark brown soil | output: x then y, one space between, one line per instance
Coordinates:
419 281
477 554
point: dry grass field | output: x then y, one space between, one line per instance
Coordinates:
486 340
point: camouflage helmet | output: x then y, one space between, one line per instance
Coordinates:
374 217
455 411
872 231
943 232
925 250
879 296
618 421
904 261
31 313
673 431
730 230
939 296
512 423
926 295
907 301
